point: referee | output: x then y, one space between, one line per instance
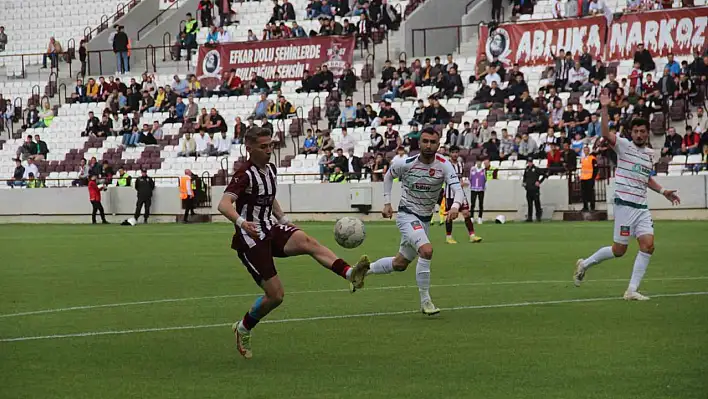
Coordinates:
144 185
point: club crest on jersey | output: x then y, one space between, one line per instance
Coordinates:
431 172
416 225
624 231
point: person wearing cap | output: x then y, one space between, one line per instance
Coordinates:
531 181
144 185
18 175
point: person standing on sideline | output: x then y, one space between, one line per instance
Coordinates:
186 193
533 177
144 185
95 198
478 183
588 174
120 48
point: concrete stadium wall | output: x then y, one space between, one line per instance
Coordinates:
431 14
322 201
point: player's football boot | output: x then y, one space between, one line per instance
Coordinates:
450 240
634 296
579 273
480 221
243 340
359 273
475 238
428 308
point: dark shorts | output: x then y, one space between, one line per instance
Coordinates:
257 255
448 204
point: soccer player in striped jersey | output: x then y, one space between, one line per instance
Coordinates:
258 239
459 167
422 177
632 216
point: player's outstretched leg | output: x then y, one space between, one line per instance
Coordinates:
422 278
302 244
273 297
601 255
641 262
448 232
469 223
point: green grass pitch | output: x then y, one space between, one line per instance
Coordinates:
512 325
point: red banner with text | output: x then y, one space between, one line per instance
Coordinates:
677 31
539 42
289 57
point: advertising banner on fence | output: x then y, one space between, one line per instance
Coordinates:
165 4
677 31
539 42
289 57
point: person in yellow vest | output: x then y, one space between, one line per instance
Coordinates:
33 183
337 176
123 180
186 193
588 174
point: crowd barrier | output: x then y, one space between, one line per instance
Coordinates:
325 201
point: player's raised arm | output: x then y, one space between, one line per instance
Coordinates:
670 195
605 100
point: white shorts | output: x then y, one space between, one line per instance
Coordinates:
631 222
414 234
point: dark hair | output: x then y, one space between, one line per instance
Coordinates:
640 122
454 148
430 130
255 133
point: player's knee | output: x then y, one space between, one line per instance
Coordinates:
400 264
426 251
647 248
276 298
618 250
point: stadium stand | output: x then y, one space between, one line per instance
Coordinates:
67 146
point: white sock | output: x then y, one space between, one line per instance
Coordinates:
601 255
381 266
640 267
422 277
349 273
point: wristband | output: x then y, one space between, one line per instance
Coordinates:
284 220
662 191
240 221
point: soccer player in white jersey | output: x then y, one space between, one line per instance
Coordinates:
632 216
421 177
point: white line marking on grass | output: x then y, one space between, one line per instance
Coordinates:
384 288
335 317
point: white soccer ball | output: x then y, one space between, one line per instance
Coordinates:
349 232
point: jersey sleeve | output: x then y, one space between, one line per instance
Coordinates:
621 145
238 184
397 168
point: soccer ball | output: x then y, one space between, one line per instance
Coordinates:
349 232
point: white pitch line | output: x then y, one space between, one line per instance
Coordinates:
335 317
384 288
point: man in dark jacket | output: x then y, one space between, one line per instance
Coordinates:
644 58
18 174
120 48
42 149
533 177
144 185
